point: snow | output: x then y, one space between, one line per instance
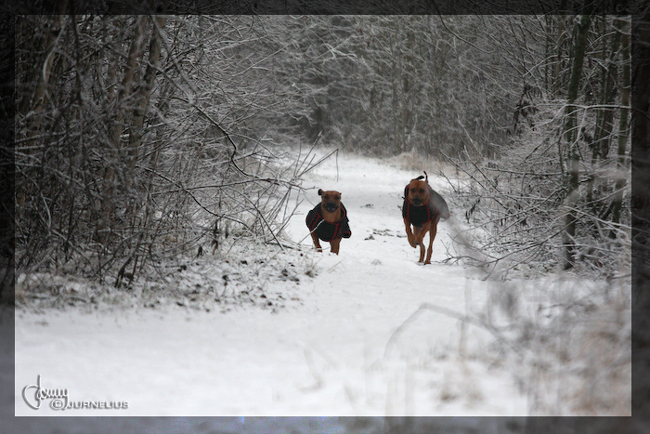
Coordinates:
367 333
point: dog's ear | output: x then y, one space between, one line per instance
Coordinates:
406 191
320 191
419 177
426 176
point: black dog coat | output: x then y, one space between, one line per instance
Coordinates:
328 231
419 215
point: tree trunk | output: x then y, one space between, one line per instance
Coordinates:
118 123
124 93
144 97
561 36
604 116
571 136
43 75
623 131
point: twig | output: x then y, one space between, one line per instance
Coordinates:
448 312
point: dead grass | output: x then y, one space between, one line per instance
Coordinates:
574 345
417 162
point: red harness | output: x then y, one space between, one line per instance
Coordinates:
418 215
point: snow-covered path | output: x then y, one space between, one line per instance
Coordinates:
341 352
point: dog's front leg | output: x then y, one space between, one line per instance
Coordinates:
421 252
420 233
433 230
314 237
409 233
429 250
335 245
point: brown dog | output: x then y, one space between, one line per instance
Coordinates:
328 221
423 208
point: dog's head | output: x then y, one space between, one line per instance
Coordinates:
417 191
330 200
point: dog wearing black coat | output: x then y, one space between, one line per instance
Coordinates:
328 221
423 208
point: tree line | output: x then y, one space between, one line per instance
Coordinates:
144 136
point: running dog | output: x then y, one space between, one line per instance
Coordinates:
423 208
328 221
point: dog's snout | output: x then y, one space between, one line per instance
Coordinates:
331 206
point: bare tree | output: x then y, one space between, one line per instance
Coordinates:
549 196
139 141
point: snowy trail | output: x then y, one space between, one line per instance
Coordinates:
336 354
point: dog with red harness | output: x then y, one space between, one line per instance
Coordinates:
328 221
423 208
